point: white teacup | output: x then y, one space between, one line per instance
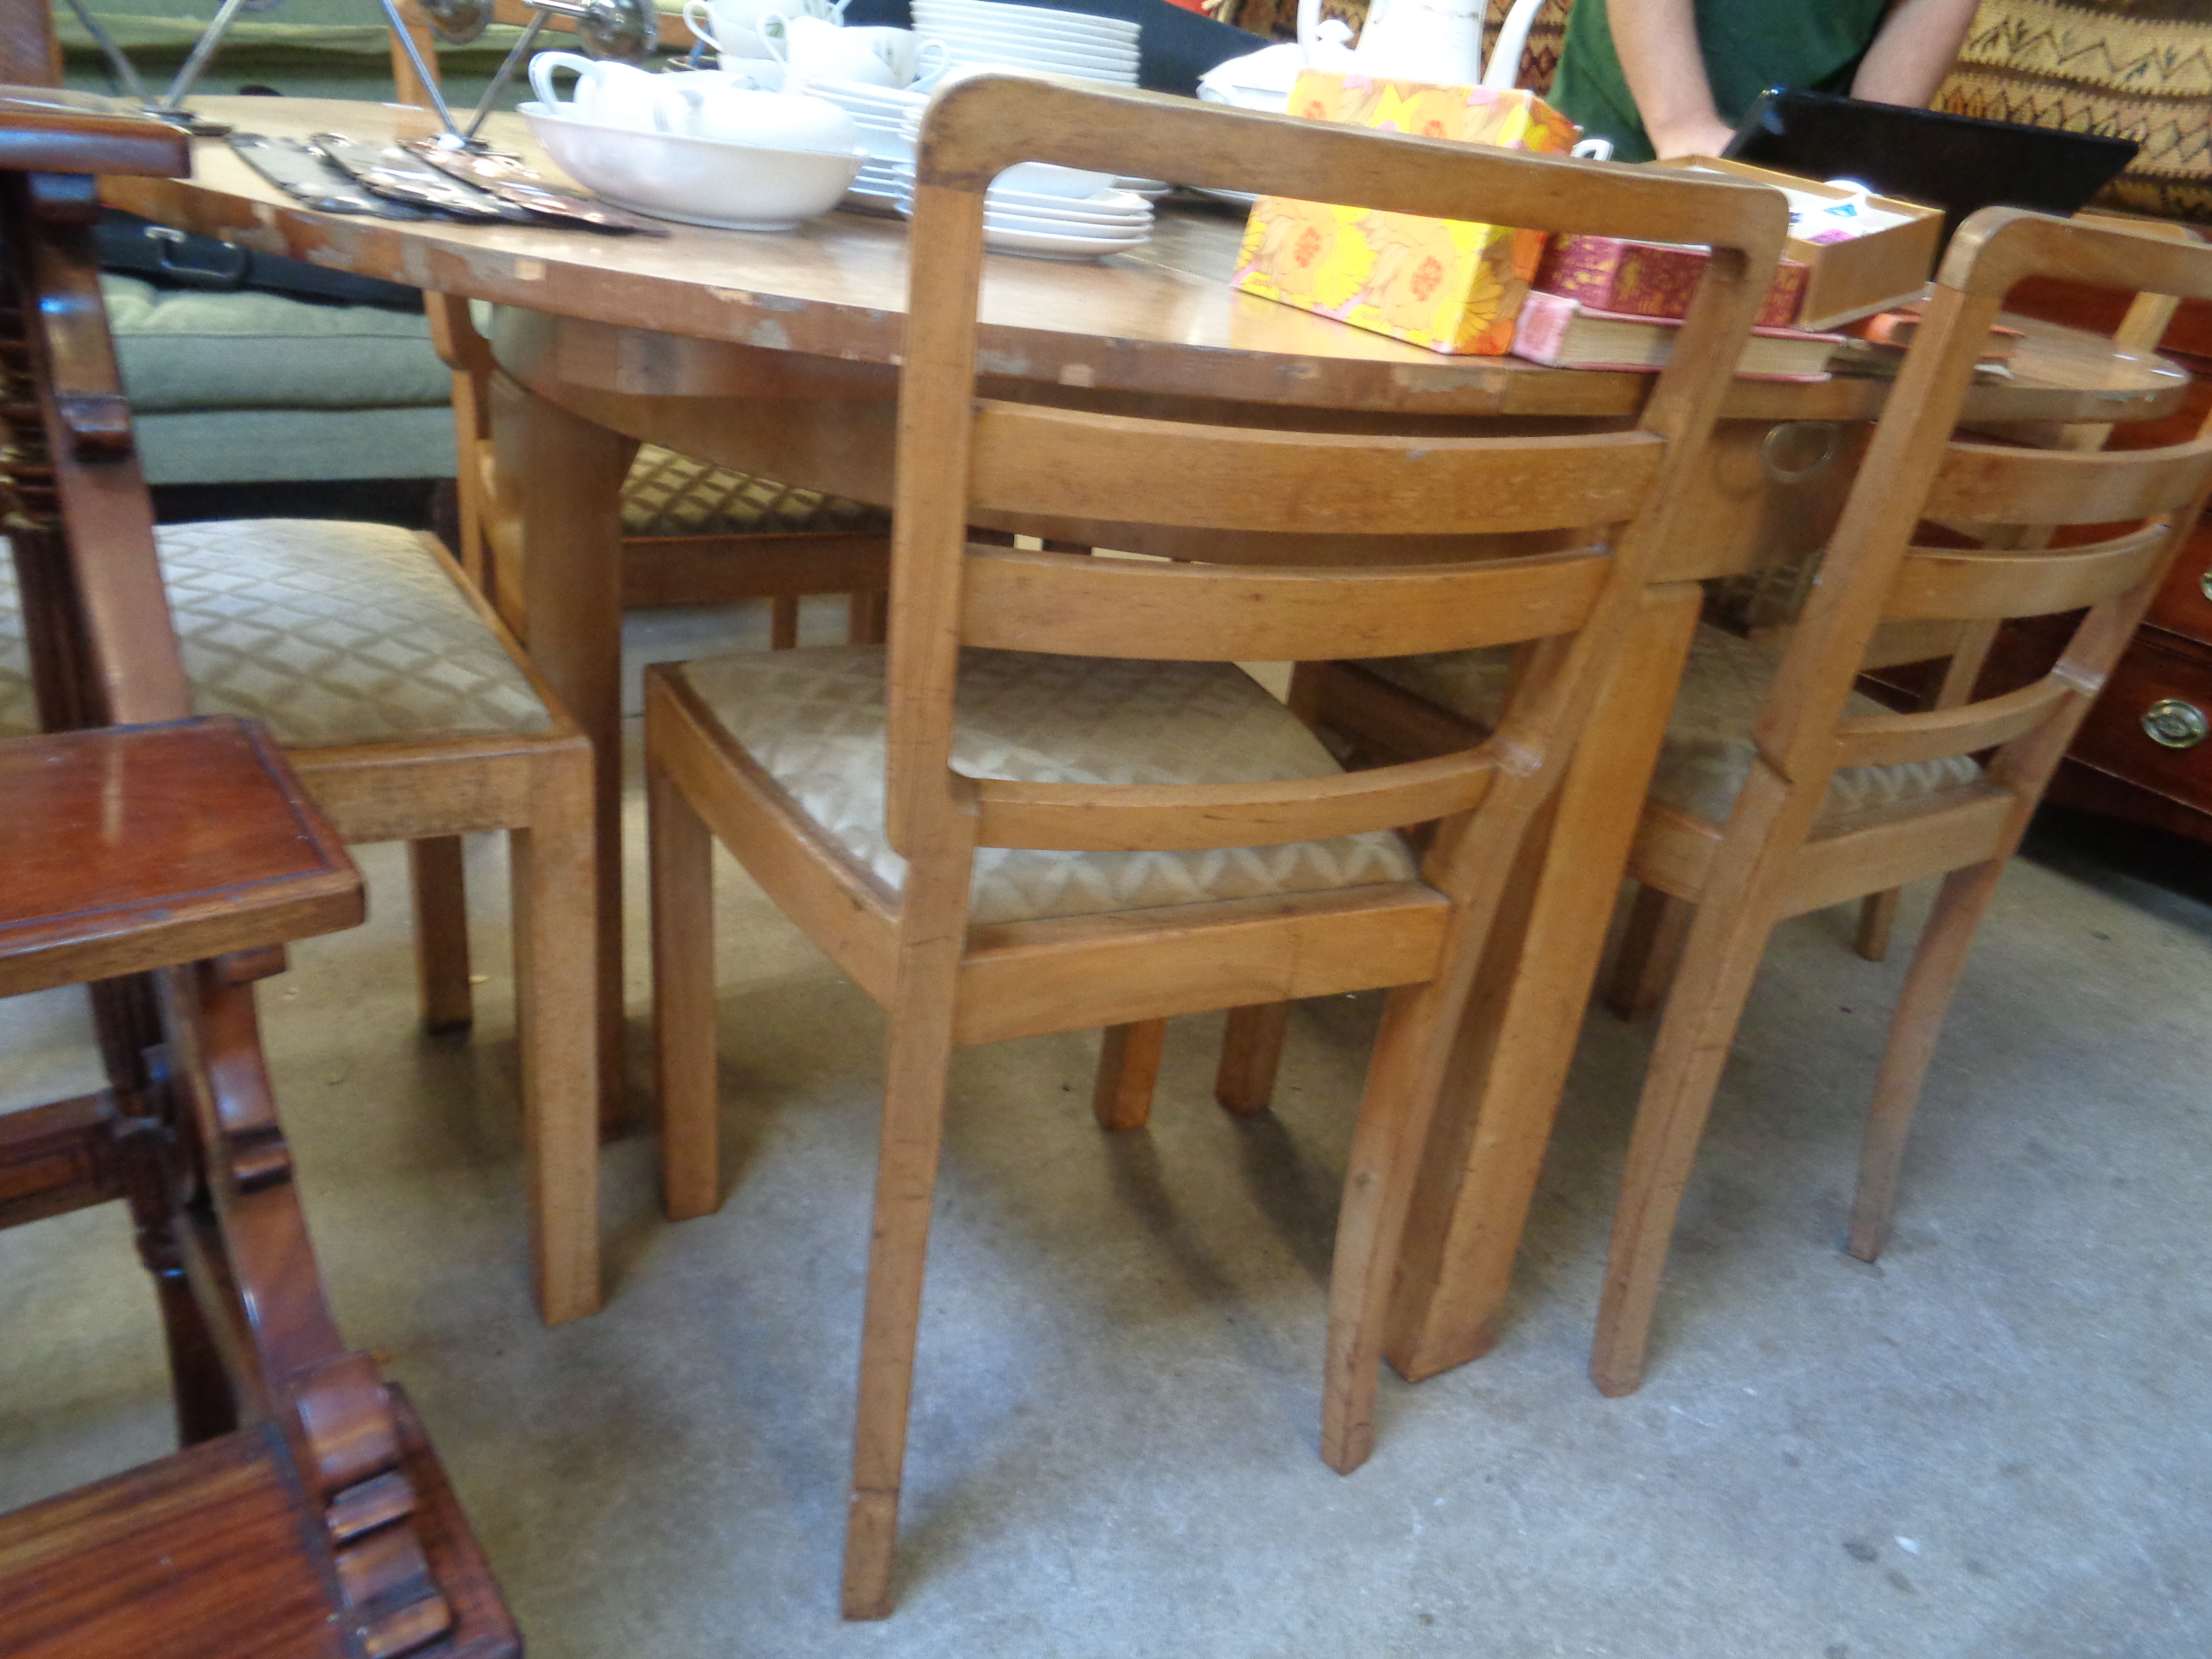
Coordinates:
818 50
734 28
712 106
619 95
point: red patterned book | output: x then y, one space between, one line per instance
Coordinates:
1651 279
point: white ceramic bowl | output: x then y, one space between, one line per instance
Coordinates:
695 181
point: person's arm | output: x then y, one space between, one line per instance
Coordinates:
1917 43
1656 41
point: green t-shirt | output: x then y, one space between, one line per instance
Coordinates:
1750 45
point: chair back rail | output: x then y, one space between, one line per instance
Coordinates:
1071 464
1988 483
1873 575
1948 584
958 457
1069 605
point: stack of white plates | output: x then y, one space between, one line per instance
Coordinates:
885 118
1069 43
1052 212
1057 213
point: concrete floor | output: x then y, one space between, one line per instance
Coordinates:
1993 1443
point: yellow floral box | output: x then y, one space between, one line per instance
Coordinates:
1442 283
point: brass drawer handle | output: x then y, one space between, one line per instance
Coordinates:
2176 724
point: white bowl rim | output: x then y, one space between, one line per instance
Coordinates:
534 111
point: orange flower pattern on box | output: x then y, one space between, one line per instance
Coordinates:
1451 286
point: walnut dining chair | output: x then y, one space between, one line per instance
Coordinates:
1056 803
412 715
1781 789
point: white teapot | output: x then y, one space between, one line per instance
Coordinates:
1433 40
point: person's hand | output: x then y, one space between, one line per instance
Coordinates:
1697 136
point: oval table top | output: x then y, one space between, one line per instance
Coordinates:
1162 320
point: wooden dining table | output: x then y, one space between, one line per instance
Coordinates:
779 355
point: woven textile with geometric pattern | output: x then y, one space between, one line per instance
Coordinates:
814 721
2126 69
1708 752
671 495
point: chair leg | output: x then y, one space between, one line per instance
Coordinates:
782 623
1877 917
1128 1070
1395 1110
933 932
1726 944
867 617
682 852
1650 948
1251 1050
558 1026
440 879
1959 906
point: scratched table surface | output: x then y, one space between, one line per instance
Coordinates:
1161 320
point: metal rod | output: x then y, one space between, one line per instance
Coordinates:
188 76
423 72
514 55
116 61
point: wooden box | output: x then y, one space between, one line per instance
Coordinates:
1853 278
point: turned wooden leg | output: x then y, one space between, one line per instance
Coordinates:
568 523
1128 1069
684 996
555 971
782 622
1959 906
436 870
1877 917
1251 1050
1651 946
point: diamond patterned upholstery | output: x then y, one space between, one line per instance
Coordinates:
814 721
671 495
1708 752
329 632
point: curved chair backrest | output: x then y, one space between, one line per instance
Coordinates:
2013 500
960 459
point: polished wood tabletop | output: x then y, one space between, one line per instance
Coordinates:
1163 319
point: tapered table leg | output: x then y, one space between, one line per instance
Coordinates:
561 479
1486 1146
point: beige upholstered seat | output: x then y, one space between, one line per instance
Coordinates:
813 721
670 494
1708 752
337 633
328 633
